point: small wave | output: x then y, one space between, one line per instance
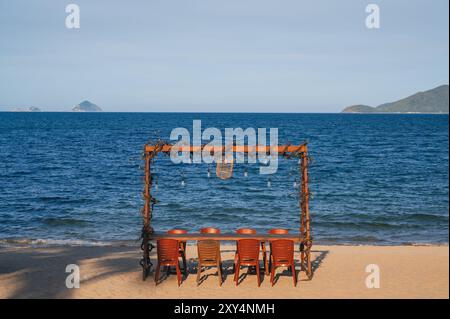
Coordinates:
50 221
40 242
61 200
422 217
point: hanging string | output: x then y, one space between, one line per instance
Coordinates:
183 180
156 183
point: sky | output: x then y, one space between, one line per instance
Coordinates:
220 56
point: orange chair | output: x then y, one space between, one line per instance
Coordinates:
209 254
246 231
247 255
282 251
209 230
182 249
243 231
276 231
250 231
168 254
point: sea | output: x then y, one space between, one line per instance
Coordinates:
77 178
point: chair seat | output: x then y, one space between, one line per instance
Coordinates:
168 262
209 260
283 264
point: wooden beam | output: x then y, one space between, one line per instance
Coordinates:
236 148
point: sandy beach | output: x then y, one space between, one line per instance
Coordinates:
113 272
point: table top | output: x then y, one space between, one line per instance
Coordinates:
226 236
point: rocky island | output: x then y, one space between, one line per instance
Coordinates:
86 106
433 101
27 109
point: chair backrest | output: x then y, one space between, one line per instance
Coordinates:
209 230
246 231
208 251
167 249
278 231
282 250
177 231
248 249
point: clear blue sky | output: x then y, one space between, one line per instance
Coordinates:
216 55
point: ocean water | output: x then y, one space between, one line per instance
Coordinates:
76 178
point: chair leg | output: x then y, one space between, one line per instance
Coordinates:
236 273
219 273
158 267
270 261
177 267
183 256
199 272
272 274
265 261
294 274
235 261
258 275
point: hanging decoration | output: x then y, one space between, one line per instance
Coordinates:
224 168
156 183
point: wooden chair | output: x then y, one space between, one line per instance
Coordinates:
276 231
168 254
282 251
209 254
182 244
248 255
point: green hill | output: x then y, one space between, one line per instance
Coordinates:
432 101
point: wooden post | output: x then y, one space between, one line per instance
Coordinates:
146 217
302 217
305 224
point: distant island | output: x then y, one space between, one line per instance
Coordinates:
27 109
432 101
86 106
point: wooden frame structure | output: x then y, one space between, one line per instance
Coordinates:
288 151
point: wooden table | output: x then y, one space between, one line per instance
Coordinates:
263 238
